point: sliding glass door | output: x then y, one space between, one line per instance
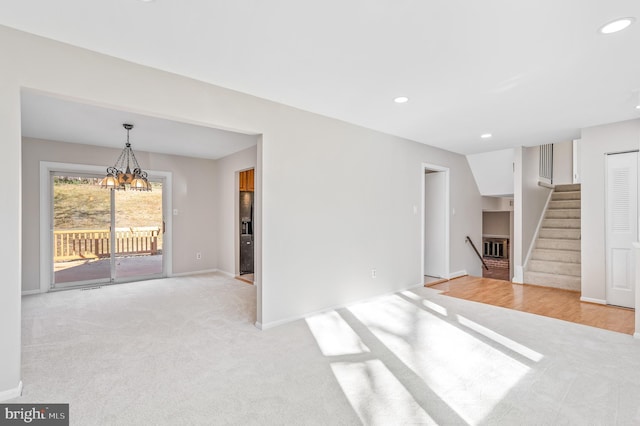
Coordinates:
102 236
138 233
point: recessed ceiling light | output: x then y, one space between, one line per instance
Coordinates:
401 100
486 135
617 25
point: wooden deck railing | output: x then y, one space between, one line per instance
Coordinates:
94 243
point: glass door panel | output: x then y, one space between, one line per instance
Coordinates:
138 234
81 231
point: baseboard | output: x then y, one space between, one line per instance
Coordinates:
11 393
30 292
636 335
185 274
228 274
590 300
457 274
272 324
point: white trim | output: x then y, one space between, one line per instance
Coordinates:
46 167
11 393
495 235
518 275
546 185
203 271
575 157
272 324
30 292
447 216
591 300
535 235
458 274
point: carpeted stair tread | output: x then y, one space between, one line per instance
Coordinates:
563 214
558 244
564 223
567 187
564 204
566 282
569 256
569 195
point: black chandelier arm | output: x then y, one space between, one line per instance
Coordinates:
119 164
134 161
112 171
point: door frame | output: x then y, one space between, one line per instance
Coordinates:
236 220
447 221
46 208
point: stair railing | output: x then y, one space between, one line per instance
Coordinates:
545 166
478 253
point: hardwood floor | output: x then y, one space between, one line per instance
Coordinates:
545 301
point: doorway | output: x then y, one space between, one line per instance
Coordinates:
246 187
621 227
96 236
435 221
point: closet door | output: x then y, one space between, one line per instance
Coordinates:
621 227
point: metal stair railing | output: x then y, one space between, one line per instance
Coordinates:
477 252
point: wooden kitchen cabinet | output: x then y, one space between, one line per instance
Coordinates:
246 180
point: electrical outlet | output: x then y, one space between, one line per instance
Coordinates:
198 256
373 273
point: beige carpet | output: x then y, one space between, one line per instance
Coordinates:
185 351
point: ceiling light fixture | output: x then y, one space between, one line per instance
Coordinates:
486 135
617 25
121 175
401 100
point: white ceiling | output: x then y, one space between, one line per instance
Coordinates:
45 117
529 72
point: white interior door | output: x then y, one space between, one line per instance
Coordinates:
621 227
435 224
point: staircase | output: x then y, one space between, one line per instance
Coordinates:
555 259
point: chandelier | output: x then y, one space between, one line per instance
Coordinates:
120 175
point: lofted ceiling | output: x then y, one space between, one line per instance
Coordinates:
528 72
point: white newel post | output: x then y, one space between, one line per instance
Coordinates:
636 333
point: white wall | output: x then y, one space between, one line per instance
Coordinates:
534 197
496 224
193 227
596 142
10 250
563 163
493 171
353 191
227 206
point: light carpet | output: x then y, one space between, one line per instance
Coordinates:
185 351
